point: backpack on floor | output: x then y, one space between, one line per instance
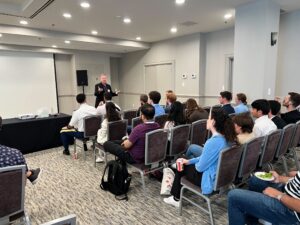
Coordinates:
116 179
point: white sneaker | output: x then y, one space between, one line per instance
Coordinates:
173 166
171 201
99 159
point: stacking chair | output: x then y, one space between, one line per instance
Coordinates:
155 153
251 153
91 126
286 137
116 130
269 148
179 140
294 144
66 220
198 132
207 109
129 115
12 193
226 172
136 121
161 120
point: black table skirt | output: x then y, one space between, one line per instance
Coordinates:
34 134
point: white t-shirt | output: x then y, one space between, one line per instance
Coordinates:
263 126
102 132
78 116
101 110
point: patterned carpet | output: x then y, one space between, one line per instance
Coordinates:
72 186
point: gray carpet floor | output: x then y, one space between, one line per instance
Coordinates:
70 186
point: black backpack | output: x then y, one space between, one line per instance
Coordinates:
118 179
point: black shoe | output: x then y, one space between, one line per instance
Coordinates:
35 175
85 147
66 152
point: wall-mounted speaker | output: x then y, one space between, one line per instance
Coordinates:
82 78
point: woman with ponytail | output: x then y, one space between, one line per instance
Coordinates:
202 170
241 103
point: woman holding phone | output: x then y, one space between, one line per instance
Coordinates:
202 170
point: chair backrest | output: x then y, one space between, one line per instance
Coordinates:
136 121
91 125
66 220
156 146
117 130
296 137
287 134
12 191
251 152
161 120
198 132
228 165
269 148
129 115
179 139
207 109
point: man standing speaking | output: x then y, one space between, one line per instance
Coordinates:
102 88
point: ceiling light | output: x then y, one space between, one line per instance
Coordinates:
67 42
138 38
67 15
180 2
127 20
94 32
54 46
85 5
227 16
0 35
23 22
173 29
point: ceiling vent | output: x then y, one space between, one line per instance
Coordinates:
188 23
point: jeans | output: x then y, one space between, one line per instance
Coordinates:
194 151
247 206
115 148
67 138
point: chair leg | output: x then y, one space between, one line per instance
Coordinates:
84 154
210 212
94 152
181 200
143 180
105 157
285 165
75 146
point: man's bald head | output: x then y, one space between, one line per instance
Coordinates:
103 78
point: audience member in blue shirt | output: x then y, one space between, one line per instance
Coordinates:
155 97
241 103
225 99
202 170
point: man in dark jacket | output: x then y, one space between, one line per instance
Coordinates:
102 88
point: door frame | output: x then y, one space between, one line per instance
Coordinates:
228 79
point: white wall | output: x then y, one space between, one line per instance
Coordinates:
288 73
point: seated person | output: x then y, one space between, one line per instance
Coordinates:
291 102
170 98
243 125
143 101
225 99
263 125
273 114
194 112
201 171
101 110
13 157
68 133
277 202
112 114
241 103
132 150
155 97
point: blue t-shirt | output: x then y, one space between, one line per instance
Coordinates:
241 108
158 110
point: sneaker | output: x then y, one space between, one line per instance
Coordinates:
174 166
171 201
66 152
99 159
35 175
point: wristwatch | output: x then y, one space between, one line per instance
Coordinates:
279 197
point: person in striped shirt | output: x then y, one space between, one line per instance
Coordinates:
277 202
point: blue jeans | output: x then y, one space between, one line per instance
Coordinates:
194 151
247 206
67 138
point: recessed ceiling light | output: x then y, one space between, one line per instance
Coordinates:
0 35
23 22
54 46
227 16
85 5
180 2
94 32
138 38
127 20
67 42
67 15
173 30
